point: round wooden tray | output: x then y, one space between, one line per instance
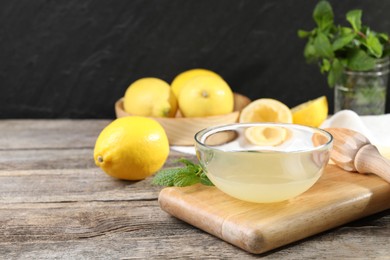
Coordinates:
181 130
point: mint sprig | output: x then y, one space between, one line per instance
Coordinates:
182 176
336 47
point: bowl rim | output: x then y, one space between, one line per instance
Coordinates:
211 130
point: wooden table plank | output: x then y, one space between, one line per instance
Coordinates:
64 185
40 134
55 203
78 158
129 229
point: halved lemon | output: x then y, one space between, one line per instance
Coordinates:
311 113
266 110
266 135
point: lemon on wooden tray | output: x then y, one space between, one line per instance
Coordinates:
180 80
204 96
311 113
131 148
150 97
266 110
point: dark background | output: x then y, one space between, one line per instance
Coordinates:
75 58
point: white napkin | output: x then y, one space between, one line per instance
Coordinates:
184 149
375 128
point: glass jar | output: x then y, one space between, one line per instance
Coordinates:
363 91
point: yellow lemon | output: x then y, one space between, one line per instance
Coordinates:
150 97
266 135
311 113
180 80
131 148
205 96
266 110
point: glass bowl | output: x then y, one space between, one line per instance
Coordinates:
263 162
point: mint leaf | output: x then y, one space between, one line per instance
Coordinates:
166 177
323 46
205 180
335 72
342 41
359 60
186 162
185 179
323 15
303 34
374 46
325 65
354 17
182 176
310 52
384 36
345 30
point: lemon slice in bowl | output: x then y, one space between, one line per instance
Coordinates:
266 110
311 113
266 135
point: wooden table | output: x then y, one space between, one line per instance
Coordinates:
55 203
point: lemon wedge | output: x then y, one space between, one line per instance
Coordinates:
311 113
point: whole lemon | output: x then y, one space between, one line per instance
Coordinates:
150 97
180 80
131 148
206 96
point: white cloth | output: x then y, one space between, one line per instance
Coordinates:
375 128
184 149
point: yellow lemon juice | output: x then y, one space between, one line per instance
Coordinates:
271 177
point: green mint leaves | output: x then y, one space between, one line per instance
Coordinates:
354 17
182 176
323 15
336 48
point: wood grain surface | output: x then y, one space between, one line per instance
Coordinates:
55 204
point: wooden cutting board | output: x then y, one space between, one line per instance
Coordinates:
337 198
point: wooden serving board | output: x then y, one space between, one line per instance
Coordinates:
337 198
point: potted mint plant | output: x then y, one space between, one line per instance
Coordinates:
354 57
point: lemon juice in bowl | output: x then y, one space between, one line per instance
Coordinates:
285 161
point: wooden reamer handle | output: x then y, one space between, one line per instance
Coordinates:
369 160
